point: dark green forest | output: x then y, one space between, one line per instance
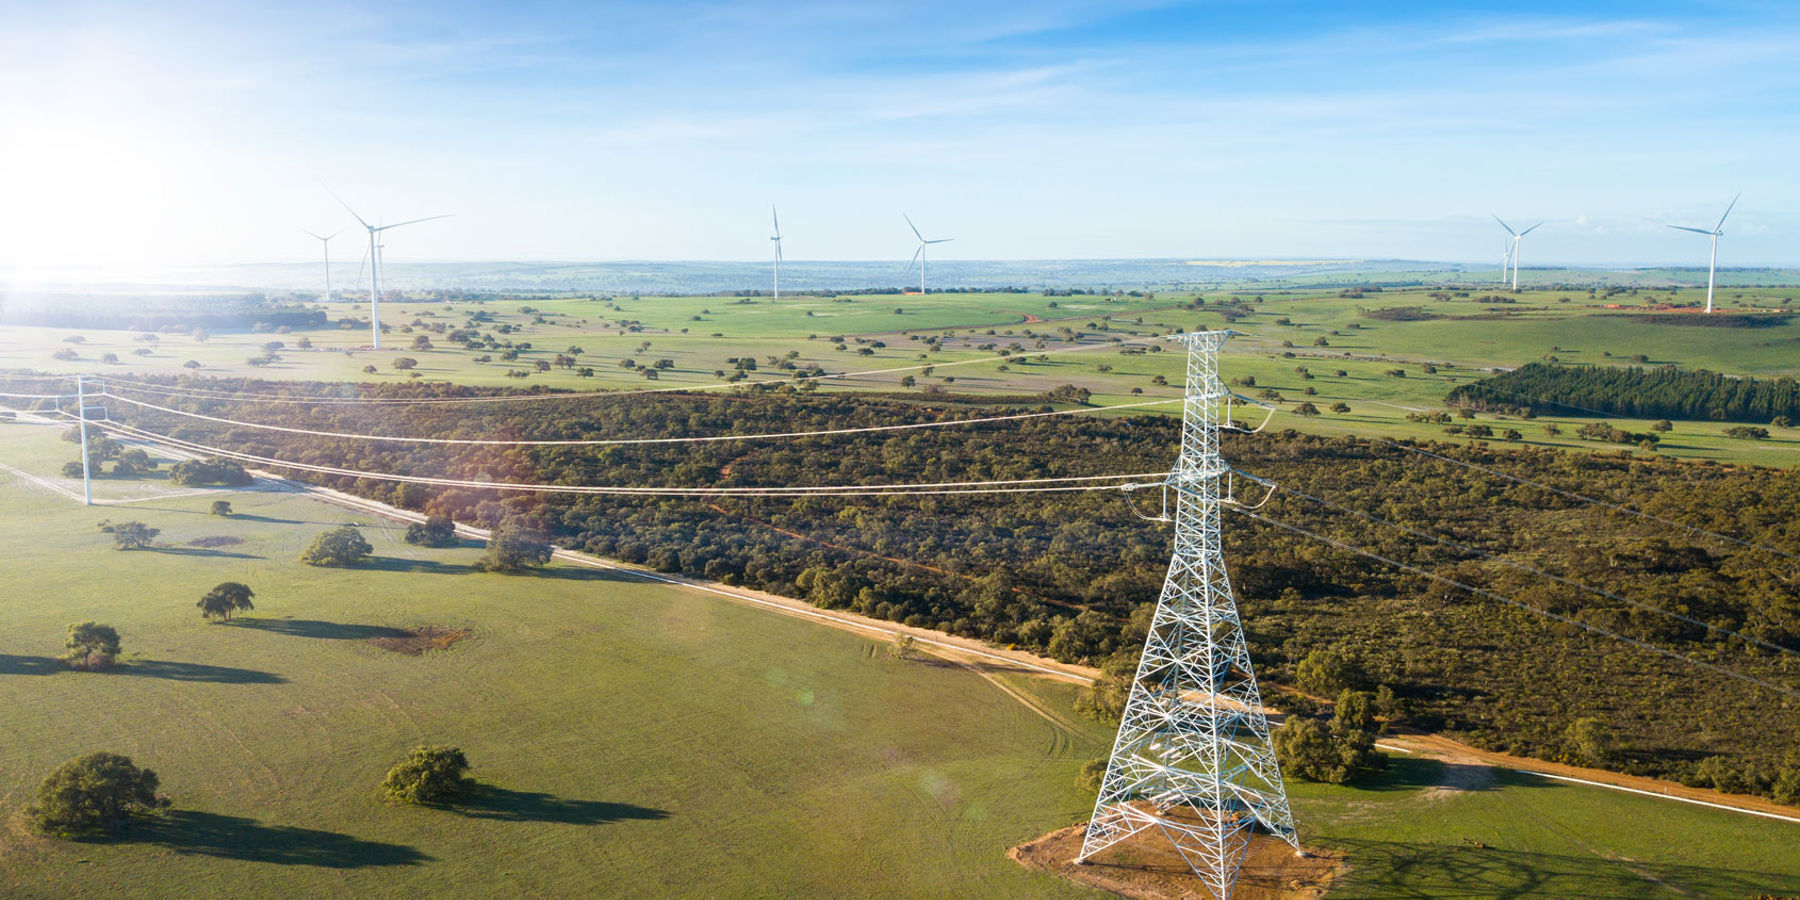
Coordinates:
1062 573
1663 392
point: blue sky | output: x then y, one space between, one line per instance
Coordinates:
196 133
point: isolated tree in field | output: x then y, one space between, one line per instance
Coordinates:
512 548
344 546
94 793
133 535
903 646
221 507
428 775
91 646
1306 409
405 362
195 472
435 531
229 597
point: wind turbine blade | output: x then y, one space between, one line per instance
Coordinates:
340 200
1694 230
1504 225
914 228
916 255
777 218
360 265
1734 201
941 241
1530 230
415 221
778 250
316 237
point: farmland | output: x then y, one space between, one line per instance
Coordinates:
1294 341
649 739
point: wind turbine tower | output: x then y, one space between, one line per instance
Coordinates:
1712 264
375 262
326 240
1517 236
919 254
777 239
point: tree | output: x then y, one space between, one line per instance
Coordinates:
195 472
903 648
191 364
1588 742
1326 671
1306 409
91 646
428 775
133 535
98 792
222 601
73 469
435 531
512 548
406 362
344 546
1340 407
221 507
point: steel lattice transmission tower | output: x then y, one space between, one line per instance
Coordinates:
1193 758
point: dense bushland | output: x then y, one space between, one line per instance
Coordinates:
1664 392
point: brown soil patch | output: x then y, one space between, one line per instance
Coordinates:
418 640
1146 867
217 540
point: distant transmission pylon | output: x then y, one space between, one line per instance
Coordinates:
1193 758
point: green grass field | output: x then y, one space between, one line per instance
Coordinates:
633 740
699 334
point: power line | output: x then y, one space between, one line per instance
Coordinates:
501 398
1693 529
1525 606
1008 486
632 441
1523 567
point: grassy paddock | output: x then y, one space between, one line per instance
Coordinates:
634 740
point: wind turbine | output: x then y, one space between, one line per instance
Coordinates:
1517 236
326 240
1712 264
1505 261
374 258
777 240
919 254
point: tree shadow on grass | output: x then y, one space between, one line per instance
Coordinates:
1469 868
30 665
1408 773
240 838
414 566
203 551
485 801
315 628
185 671
142 668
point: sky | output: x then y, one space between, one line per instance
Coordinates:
135 135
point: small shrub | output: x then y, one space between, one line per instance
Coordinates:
343 546
91 646
428 776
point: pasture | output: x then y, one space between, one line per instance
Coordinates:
1390 368
633 739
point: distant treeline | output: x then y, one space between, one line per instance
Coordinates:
1064 573
158 314
1658 393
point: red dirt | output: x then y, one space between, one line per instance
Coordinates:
1146 867
418 640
